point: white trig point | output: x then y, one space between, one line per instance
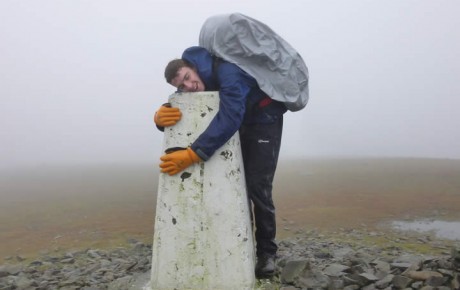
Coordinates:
203 236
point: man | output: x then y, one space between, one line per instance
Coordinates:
244 107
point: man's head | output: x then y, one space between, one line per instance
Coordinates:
182 75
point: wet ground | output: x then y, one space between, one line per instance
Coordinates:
438 228
331 194
58 209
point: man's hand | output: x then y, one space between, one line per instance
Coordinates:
167 116
177 161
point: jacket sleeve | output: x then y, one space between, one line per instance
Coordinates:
235 86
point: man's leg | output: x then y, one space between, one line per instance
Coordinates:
260 146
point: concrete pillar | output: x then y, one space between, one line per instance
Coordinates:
203 237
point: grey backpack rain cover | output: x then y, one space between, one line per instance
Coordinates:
279 69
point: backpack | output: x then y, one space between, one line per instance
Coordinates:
278 69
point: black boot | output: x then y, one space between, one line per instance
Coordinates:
265 267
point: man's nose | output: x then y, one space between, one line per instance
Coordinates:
188 86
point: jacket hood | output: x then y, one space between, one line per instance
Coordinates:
202 60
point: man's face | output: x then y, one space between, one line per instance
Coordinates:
187 80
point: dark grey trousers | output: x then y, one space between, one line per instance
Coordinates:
260 145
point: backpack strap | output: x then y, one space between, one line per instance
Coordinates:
216 61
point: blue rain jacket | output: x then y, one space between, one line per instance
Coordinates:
239 101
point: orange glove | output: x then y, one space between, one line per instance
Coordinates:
167 116
177 161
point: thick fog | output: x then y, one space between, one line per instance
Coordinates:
81 80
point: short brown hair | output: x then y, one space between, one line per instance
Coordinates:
174 66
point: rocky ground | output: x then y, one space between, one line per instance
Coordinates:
345 259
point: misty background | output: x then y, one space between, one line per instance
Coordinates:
81 80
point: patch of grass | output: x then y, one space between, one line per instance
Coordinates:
268 284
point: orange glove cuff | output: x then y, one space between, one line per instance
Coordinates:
195 158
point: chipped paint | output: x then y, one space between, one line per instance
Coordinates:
203 236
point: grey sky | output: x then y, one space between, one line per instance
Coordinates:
80 80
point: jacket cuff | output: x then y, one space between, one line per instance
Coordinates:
200 153
162 129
